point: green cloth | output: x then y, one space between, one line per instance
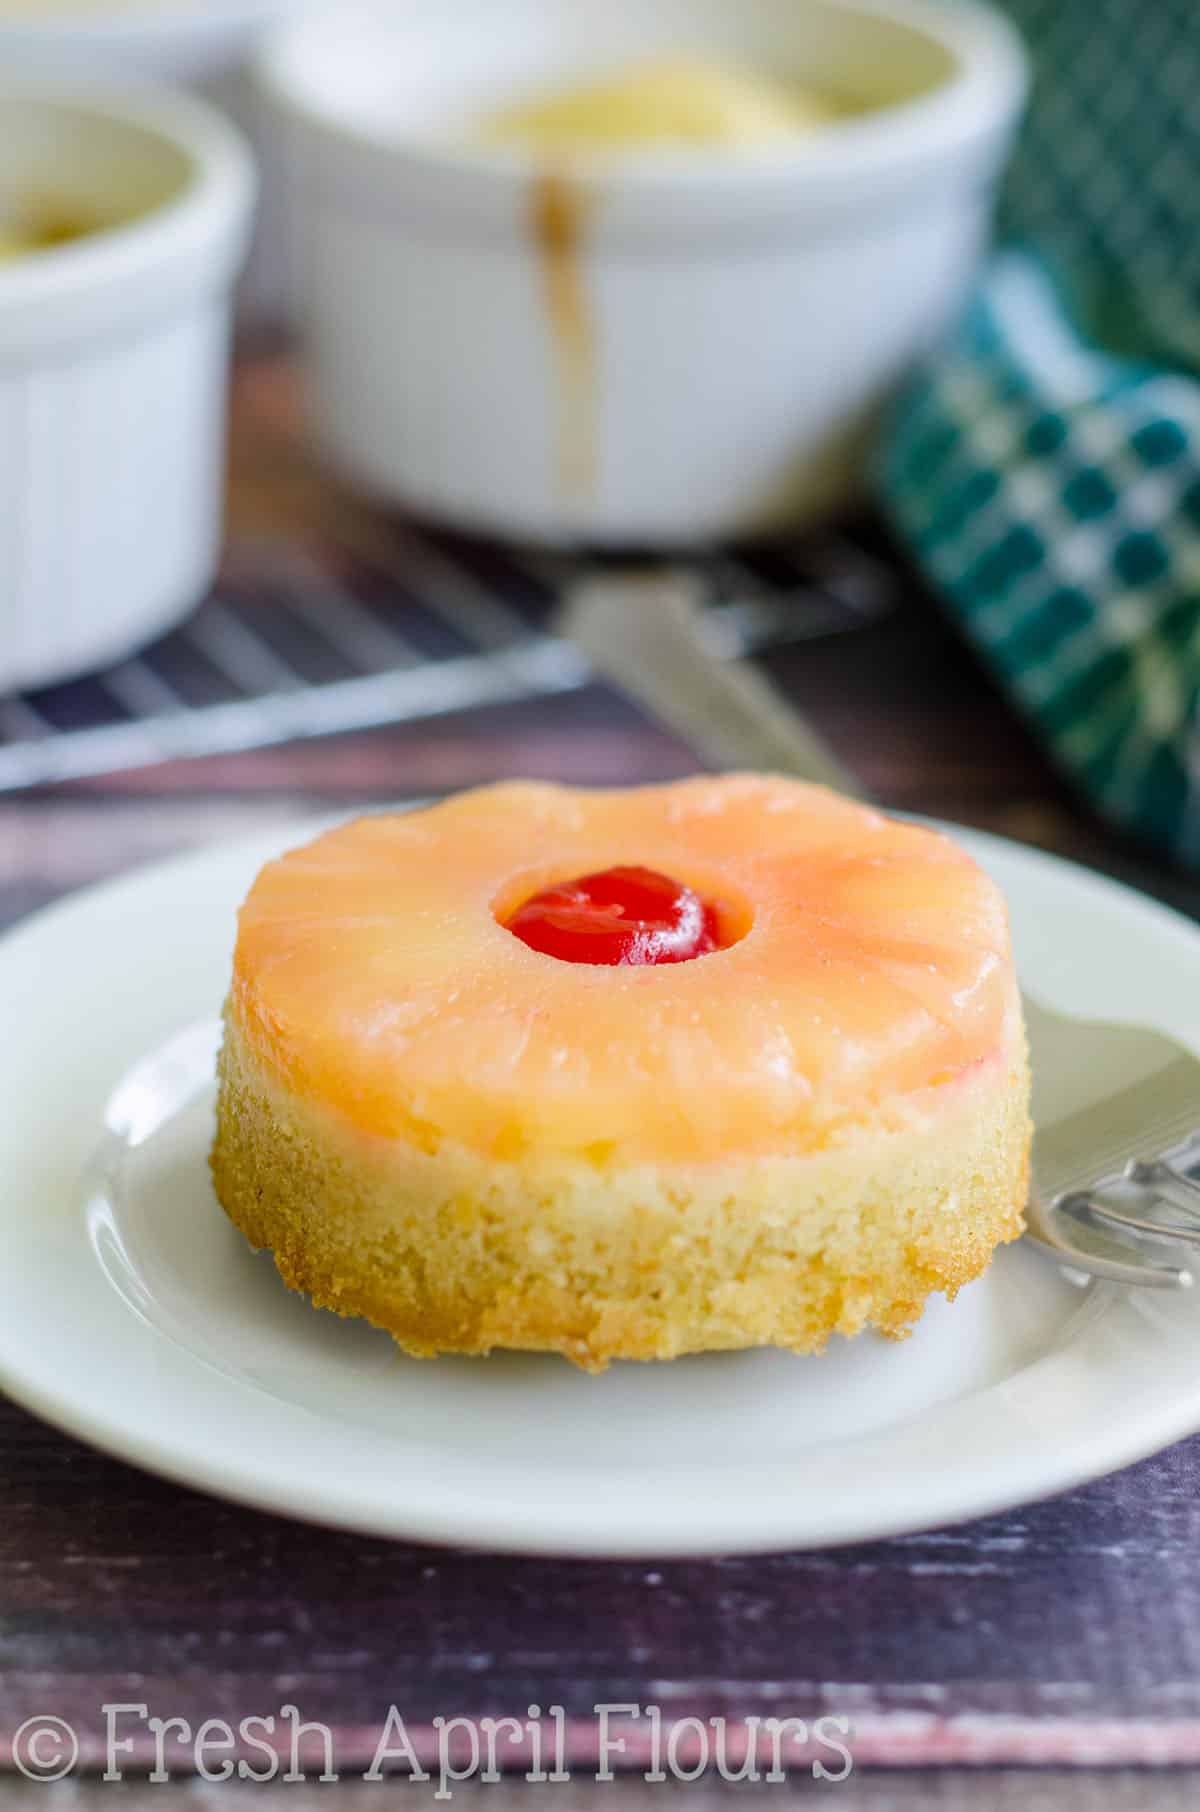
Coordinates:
1044 465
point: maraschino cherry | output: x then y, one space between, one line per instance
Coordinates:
629 917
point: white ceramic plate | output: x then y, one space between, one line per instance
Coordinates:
132 1315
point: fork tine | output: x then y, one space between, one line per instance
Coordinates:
1091 1207
1172 1185
1044 1230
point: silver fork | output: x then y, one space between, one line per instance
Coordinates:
1117 1108
1117 1147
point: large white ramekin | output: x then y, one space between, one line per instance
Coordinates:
205 45
743 316
113 372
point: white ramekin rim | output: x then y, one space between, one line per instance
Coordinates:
196 240
975 107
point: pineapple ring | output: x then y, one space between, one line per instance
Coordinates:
867 964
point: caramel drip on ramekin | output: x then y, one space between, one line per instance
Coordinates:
561 210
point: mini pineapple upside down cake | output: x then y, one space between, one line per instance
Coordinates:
623 1075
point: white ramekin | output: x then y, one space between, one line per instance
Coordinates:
113 371
746 314
205 45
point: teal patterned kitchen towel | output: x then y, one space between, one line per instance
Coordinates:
1044 466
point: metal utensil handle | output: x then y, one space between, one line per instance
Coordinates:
645 634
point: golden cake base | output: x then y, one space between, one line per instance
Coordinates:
452 1252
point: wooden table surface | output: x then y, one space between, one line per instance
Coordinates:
1064 1637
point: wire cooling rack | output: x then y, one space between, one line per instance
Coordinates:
298 643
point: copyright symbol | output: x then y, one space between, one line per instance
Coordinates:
45 1749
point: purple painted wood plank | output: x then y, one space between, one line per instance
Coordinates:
1069 1631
